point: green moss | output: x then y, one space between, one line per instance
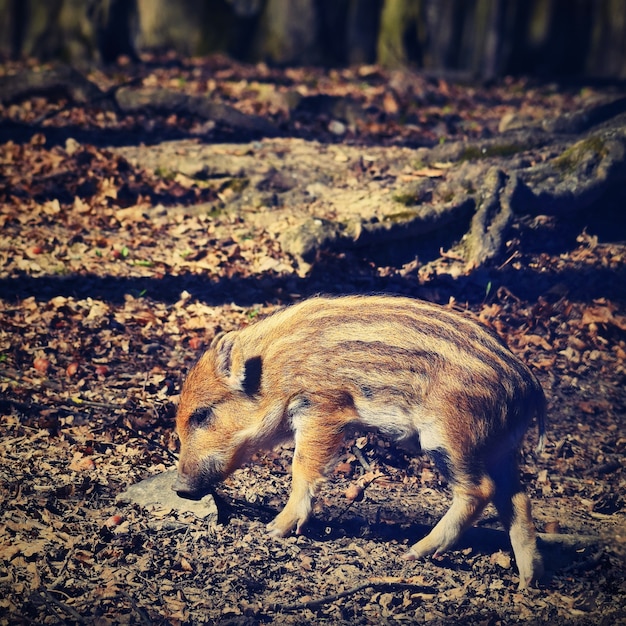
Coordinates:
214 212
574 155
505 149
473 153
236 184
164 173
407 198
396 19
142 262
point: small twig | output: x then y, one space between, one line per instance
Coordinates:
373 584
446 254
561 541
22 406
169 528
144 618
364 486
311 604
109 94
155 444
144 385
502 292
57 581
590 562
514 255
14 375
76 401
49 599
360 457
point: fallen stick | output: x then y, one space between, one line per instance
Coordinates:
399 584
550 540
144 618
567 541
48 599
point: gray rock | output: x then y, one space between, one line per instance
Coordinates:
156 492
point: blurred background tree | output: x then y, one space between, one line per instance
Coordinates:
478 39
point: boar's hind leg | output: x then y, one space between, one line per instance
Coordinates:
513 508
468 501
317 439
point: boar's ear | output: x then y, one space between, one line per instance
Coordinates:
252 378
229 360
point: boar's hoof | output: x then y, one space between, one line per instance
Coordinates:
281 526
275 530
415 553
530 580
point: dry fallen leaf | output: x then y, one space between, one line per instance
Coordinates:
185 565
552 526
82 463
354 493
533 340
41 364
114 520
71 369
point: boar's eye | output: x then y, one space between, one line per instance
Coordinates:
201 417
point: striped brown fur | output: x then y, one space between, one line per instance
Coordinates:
412 370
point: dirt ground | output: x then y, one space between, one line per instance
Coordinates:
114 275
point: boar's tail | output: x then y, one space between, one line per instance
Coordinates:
540 413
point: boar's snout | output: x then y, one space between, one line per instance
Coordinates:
188 488
197 477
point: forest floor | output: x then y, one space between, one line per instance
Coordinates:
117 268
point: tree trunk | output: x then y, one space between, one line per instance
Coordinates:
288 33
481 39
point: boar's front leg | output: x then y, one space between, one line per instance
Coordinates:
318 429
298 507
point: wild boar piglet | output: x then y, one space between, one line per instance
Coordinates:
414 371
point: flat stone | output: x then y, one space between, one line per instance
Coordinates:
156 492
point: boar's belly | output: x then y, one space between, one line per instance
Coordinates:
402 425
